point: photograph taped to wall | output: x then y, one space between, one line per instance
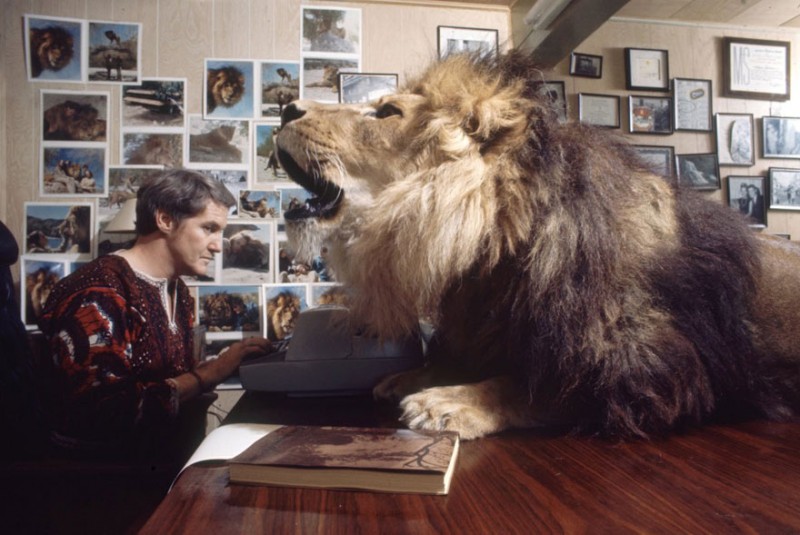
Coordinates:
79 116
235 180
735 139
58 228
70 171
784 189
229 89
38 277
649 115
280 85
780 137
115 49
259 204
154 104
283 303
266 167
329 293
692 104
54 50
456 40
330 30
599 110
659 158
747 195
291 269
247 253
226 309
361 87
320 77
123 183
698 171
152 148
218 142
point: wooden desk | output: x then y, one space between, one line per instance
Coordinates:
721 479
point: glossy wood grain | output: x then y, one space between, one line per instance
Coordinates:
742 478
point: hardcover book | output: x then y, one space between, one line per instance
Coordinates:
376 459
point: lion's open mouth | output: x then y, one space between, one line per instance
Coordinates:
327 195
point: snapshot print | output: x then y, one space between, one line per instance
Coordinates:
73 171
280 85
267 167
58 227
746 196
328 294
331 30
79 116
284 302
155 103
356 87
226 309
235 180
321 77
37 280
152 148
123 183
229 89
114 52
259 204
218 141
292 270
53 49
246 253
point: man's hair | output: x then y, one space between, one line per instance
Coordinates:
180 193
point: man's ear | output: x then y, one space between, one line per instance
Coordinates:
164 221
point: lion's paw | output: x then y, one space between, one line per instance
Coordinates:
452 408
397 386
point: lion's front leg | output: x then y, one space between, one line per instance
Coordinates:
399 385
472 410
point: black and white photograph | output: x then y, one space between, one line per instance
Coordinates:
650 115
54 49
455 40
69 171
229 309
784 189
780 137
246 253
229 89
554 96
114 52
218 141
735 139
693 108
154 103
646 69
280 85
659 158
333 30
38 277
586 65
283 303
360 87
320 77
599 110
79 116
58 227
698 171
747 195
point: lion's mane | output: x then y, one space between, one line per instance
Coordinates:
547 251
224 87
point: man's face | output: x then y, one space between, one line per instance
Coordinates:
194 240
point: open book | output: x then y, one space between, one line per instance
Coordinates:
377 459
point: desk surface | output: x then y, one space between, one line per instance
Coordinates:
735 478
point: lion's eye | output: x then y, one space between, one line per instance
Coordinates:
387 110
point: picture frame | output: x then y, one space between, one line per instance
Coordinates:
586 65
362 87
456 39
734 138
659 158
780 137
649 114
692 104
599 110
698 171
756 69
784 188
646 69
746 195
554 96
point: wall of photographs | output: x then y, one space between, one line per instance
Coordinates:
697 110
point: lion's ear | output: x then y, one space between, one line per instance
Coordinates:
495 116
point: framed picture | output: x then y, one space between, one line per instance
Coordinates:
659 158
698 171
650 115
746 195
553 95
454 40
358 87
755 69
646 69
692 104
780 137
784 189
599 110
735 141
587 65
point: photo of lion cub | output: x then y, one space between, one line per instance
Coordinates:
566 283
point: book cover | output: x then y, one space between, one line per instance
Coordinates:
377 459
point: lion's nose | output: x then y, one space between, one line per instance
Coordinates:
290 113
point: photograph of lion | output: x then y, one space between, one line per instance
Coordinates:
40 277
53 49
568 286
229 308
229 89
74 116
284 303
321 77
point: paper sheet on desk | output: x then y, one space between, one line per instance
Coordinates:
226 442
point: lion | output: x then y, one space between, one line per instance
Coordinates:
51 49
330 78
282 312
567 284
224 87
75 230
